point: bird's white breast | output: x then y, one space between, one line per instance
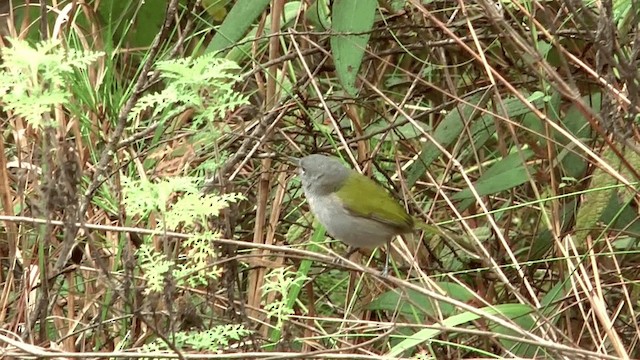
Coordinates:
352 230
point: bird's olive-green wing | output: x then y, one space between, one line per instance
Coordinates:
363 197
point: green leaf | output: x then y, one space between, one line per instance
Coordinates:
483 128
136 21
351 16
318 15
452 127
506 174
510 311
515 107
237 22
216 8
379 131
620 215
446 133
595 202
544 241
572 159
519 314
414 303
242 51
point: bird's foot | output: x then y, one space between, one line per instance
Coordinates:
385 271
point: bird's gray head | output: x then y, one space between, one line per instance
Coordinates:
322 175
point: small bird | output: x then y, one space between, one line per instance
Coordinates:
352 207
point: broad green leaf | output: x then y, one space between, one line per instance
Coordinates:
350 16
574 164
481 128
235 25
413 303
446 133
216 8
519 314
515 107
625 14
509 311
240 52
595 202
137 22
606 202
379 131
484 128
544 240
506 174
318 15
621 215
550 301
149 22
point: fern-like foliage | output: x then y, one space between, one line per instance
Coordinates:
155 266
142 197
280 281
204 84
191 208
33 78
196 269
212 340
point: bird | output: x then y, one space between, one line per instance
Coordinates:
353 208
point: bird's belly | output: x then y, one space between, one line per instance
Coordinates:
352 230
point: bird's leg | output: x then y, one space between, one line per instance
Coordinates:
385 270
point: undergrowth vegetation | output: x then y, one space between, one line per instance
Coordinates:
150 206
